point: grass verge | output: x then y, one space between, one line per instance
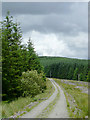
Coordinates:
12 108
77 102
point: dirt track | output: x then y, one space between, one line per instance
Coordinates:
59 111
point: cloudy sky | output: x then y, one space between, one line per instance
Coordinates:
56 29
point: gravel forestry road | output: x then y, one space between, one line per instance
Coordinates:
60 108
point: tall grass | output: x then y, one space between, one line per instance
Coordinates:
9 109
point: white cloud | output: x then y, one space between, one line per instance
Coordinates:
79 41
59 45
55 32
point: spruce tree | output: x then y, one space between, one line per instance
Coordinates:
75 74
33 61
0 67
24 55
11 40
88 76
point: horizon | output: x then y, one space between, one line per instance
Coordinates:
65 57
59 30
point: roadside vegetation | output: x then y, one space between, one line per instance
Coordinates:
22 74
17 59
77 99
24 84
33 83
22 105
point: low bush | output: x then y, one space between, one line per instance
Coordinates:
33 83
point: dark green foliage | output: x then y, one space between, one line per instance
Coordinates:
75 74
81 76
0 67
33 61
11 39
16 58
65 68
88 76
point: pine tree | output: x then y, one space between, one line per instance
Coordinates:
11 39
24 55
75 75
33 61
0 66
16 58
88 76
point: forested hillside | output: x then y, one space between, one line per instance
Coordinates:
22 72
21 69
65 68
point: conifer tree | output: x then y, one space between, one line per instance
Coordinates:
16 58
88 76
33 61
75 74
11 39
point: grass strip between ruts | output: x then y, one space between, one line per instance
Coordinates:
50 107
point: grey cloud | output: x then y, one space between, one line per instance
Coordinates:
68 18
36 7
60 24
56 24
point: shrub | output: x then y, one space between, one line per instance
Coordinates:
33 83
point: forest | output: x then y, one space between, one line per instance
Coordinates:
22 73
66 68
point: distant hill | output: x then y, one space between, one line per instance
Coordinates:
65 68
48 60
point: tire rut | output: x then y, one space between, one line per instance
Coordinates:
60 109
38 109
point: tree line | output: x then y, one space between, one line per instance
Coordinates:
16 59
66 68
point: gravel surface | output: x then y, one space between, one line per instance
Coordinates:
38 109
60 109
